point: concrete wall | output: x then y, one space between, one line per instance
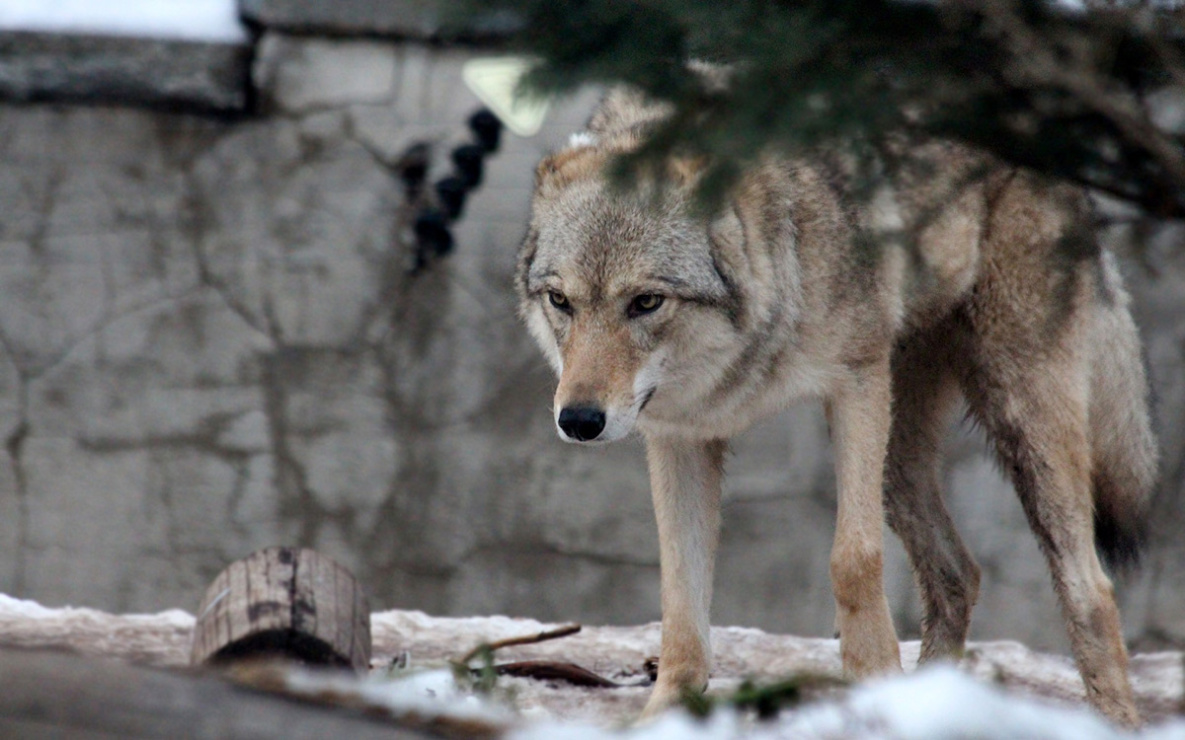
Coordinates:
210 342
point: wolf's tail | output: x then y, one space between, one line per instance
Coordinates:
1123 447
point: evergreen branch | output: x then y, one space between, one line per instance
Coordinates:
1063 93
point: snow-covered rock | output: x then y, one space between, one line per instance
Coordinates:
189 53
192 20
405 18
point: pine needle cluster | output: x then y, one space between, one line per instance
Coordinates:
1082 93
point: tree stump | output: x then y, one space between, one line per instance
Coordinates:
285 602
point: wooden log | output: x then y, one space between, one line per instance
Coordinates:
55 694
286 602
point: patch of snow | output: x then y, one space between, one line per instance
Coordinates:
215 21
724 724
1168 731
423 694
992 697
14 608
935 702
156 639
493 627
582 139
942 701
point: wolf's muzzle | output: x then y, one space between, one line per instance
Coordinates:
581 423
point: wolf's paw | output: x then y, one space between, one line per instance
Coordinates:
661 699
668 694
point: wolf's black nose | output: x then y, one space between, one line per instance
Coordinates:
582 423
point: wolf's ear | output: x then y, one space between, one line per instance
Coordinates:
624 108
526 258
726 237
686 171
566 166
727 232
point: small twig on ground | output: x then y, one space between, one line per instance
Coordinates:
487 675
568 629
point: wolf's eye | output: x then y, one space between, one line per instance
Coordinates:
645 304
559 300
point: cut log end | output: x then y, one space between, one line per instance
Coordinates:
284 602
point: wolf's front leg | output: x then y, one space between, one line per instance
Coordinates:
859 412
685 485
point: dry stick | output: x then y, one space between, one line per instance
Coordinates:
568 629
545 670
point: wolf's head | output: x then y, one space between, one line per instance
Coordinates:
627 293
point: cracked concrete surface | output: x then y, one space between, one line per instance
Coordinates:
210 343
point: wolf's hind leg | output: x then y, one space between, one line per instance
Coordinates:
1030 322
924 392
1037 417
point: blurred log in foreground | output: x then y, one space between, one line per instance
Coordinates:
57 694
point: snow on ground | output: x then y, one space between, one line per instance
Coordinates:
934 702
154 639
215 21
1002 690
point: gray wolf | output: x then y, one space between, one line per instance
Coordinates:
955 277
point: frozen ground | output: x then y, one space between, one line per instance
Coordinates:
1004 690
193 20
